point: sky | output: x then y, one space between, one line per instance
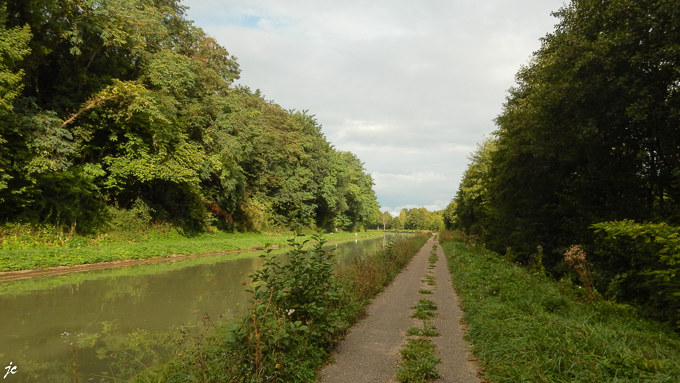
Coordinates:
410 87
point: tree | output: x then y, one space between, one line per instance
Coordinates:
124 102
472 210
385 218
590 134
449 216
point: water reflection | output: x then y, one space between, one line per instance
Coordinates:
111 323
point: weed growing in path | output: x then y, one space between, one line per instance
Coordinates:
432 259
419 360
427 330
424 309
429 280
424 291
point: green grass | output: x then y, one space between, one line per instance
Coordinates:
419 361
427 330
424 291
418 356
432 260
527 329
424 309
154 245
429 280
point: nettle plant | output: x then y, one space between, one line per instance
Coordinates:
295 314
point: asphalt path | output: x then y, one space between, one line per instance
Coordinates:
370 352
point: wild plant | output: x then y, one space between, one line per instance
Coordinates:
418 355
295 310
536 262
576 258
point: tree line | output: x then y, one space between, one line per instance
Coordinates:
587 152
412 219
127 104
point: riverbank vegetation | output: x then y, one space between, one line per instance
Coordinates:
82 250
125 111
300 308
525 327
587 153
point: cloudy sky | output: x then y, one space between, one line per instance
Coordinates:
408 86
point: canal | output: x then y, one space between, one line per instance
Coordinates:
109 324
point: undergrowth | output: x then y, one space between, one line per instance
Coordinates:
525 328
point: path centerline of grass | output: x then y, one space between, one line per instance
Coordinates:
370 352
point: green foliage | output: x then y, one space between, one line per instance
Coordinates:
414 219
525 328
295 312
450 216
13 48
470 208
108 103
659 273
667 237
589 134
26 247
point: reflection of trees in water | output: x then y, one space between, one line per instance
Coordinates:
108 353
127 354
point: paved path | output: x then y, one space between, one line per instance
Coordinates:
370 353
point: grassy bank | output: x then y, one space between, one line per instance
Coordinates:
25 250
301 307
525 328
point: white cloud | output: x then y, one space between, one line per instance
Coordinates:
390 180
435 206
410 87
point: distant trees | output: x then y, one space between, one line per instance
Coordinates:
589 134
414 219
114 103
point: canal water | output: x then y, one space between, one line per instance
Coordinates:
109 324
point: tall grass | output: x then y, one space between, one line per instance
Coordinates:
525 328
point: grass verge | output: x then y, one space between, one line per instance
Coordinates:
156 245
528 329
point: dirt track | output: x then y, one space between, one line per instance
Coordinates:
370 353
